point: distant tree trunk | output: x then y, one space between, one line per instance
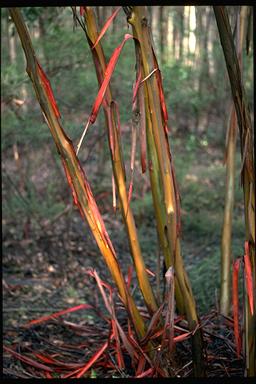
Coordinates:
169 35
101 12
150 15
203 18
163 27
114 22
42 33
12 44
155 23
199 28
247 174
230 184
175 34
103 15
181 31
98 14
208 15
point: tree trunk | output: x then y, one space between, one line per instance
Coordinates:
163 181
248 171
230 185
163 17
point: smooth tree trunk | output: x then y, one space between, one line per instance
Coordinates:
247 171
163 181
226 253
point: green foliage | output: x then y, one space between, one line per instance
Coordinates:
31 14
29 203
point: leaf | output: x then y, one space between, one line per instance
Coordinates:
126 341
236 266
57 314
141 366
45 359
120 359
148 373
107 303
60 364
150 272
48 375
153 324
248 275
81 11
27 360
80 372
48 89
111 310
108 73
181 337
106 26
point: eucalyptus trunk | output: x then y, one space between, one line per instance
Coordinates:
76 177
118 165
247 171
230 186
162 175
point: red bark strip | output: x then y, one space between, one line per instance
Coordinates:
100 97
70 182
94 358
236 266
181 337
161 94
136 87
108 73
106 26
148 373
142 135
27 360
48 90
248 275
57 314
48 375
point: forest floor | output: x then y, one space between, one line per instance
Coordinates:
46 254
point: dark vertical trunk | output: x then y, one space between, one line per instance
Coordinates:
12 44
175 33
98 14
163 28
42 35
150 15
181 31
114 22
104 15
203 15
